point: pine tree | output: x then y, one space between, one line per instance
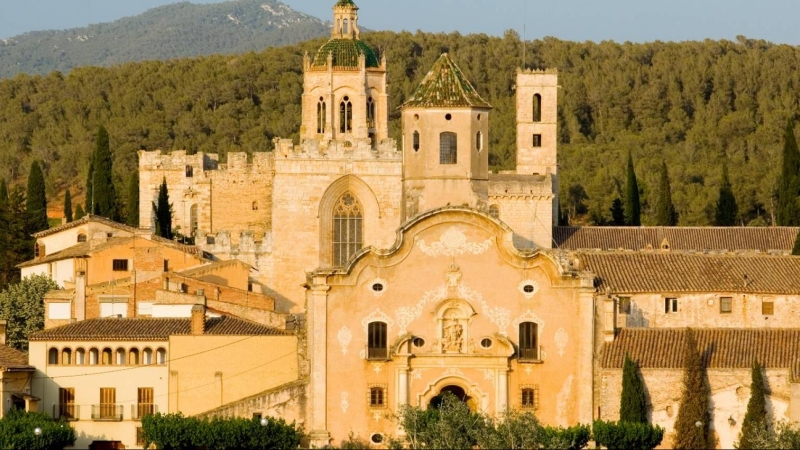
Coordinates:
79 212
36 200
633 403
132 201
89 184
617 213
19 246
632 207
755 424
692 423
163 212
68 206
665 215
4 234
727 209
787 211
3 195
104 196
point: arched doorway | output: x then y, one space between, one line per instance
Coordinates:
457 391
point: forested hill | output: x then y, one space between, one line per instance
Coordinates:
173 31
694 105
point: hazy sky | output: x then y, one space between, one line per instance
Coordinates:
597 20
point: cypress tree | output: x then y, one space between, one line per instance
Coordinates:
692 423
617 213
632 207
3 195
89 184
36 200
68 206
132 201
787 211
79 213
4 235
727 209
755 424
633 403
163 212
665 211
104 197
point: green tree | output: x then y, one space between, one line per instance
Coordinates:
5 238
79 213
665 214
632 206
727 210
103 194
623 434
163 212
132 201
787 211
755 426
617 213
36 200
796 249
633 401
692 423
17 431
68 206
19 245
22 305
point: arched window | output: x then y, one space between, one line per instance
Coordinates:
448 151
322 112
93 357
494 211
193 219
133 357
370 113
120 357
106 357
347 229
416 141
161 356
537 108
35 250
479 141
377 342
255 206
346 116
528 341
530 397
81 237
66 356
80 357
52 356
345 27
377 397
147 357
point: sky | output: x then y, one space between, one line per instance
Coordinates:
577 20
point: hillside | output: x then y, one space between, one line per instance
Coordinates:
692 104
172 31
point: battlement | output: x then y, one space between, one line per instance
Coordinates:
547 71
357 149
178 160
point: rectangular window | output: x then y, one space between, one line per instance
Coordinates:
144 402
189 171
377 397
66 404
377 345
529 397
670 305
120 265
725 305
448 152
139 436
624 305
767 307
108 405
528 341
537 140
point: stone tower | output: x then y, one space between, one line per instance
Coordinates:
344 89
445 142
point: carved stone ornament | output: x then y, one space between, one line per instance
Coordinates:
377 316
345 404
453 277
561 339
452 338
453 242
344 336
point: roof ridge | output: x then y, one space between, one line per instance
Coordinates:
433 89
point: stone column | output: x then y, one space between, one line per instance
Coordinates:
502 391
318 354
402 386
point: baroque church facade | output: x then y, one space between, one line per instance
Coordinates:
420 272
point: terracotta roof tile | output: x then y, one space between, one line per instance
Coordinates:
679 238
150 329
13 359
445 86
726 348
632 272
83 221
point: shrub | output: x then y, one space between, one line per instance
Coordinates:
17 431
635 435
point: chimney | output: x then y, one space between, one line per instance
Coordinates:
3 331
198 320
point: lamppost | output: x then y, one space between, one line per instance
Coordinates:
263 421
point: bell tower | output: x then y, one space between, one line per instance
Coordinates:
345 20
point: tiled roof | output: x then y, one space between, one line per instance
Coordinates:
632 272
210 268
13 359
344 3
345 54
76 251
150 329
662 348
796 371
678 238
446 86
83 221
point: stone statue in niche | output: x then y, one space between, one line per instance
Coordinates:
453 337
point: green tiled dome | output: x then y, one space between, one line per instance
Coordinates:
345 53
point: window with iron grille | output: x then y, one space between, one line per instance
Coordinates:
377 347
448 148
377 397
529 397
347 229
120 265
528 341
725 305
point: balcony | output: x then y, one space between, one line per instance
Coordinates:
142 409
108 412
67 411
529 355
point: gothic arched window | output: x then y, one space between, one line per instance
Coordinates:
448 151
416 141
322 111
345 27
537 108
345 116
479 141
370 113
347 229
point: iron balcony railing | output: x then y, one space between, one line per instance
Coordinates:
142 409
67 411
107 411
